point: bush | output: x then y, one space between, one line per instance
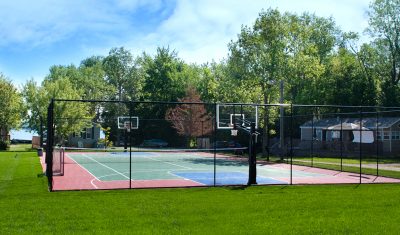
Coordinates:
4 144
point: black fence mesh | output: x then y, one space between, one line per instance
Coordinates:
111 144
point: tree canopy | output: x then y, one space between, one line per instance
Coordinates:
12 108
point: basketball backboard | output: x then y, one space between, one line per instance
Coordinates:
230 116
123 122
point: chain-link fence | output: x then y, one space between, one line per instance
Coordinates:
122 144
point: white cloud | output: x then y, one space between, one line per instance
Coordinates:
198 29
47 21
132 5
348 14
201 29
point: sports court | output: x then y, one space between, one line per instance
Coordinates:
157 169
149 144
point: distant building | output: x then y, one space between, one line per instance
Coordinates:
87 138
386 131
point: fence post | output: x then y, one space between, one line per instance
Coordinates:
252 156
360 152
215 141
377 142
267 127
312 141
341 143
49 144
291 143
130 142
41 131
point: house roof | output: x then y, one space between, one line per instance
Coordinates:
370 123
346 126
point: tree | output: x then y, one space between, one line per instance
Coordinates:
12 108
190 120
258 56
118 68
91 78
164 80
207 83
384 26
310 43
36 105
69 117
346 81
282 47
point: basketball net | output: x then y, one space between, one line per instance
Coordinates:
127 126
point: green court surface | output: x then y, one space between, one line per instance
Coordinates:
195 166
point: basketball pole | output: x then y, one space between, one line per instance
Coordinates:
126 140
252 156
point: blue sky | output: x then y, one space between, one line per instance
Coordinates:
38 34
35 35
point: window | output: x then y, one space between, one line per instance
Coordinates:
86 133
335 134
386 135
318 134
395 135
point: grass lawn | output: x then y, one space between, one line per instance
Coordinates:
26 207
351 165
21 147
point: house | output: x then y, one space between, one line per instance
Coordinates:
87 138
385 130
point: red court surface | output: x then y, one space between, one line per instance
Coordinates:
77 177
332 176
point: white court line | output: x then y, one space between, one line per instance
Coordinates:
169 172
189 168
106 166
106 176
91 182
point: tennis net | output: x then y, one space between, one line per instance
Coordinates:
58 161
122 156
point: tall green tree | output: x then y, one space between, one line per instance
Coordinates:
284 47
92 79
258 57
208 83
310 43
12 108
165 80
347 82
384 26
118 67
69 117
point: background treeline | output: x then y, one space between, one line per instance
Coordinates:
319 64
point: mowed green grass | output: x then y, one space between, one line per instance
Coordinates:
21 147
353 165
26 207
